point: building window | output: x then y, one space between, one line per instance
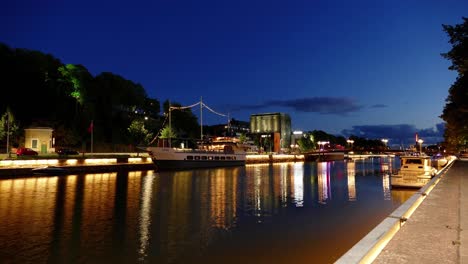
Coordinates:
34 143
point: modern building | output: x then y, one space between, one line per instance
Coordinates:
39 139
273 129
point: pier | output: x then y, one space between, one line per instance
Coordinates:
431 227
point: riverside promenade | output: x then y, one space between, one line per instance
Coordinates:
430 227
437 232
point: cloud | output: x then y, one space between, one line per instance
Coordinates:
403 134
321 105
378 106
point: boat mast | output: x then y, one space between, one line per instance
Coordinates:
201 119
170 125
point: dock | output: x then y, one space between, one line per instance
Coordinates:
435 232
14 168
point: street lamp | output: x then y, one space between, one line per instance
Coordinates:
350 142
420 141
322 144
384 140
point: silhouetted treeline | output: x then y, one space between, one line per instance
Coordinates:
41 91
455 112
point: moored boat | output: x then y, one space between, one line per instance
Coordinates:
439 161
415 172
218 153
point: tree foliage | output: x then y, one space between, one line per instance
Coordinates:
42 91
9 128
455 112
167 132
183 121
139 134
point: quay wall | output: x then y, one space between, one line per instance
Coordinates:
369 247
21 167
271 158
99 163
113 161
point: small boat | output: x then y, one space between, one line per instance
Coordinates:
415 172
49 170
439 161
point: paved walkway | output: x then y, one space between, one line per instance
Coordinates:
437 232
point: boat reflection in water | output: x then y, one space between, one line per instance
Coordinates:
263 213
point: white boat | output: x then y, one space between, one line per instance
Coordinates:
415 172
219 152
439 161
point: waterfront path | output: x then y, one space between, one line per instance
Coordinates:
437 232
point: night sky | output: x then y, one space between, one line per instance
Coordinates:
368 68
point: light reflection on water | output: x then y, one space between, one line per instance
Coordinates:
263 213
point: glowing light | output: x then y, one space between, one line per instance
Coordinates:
298 185
100 161
71 162
145 215
351 168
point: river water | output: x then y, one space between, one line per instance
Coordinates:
310 212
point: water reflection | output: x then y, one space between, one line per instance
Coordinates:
298 183
323 172
350 168
228 215
145 215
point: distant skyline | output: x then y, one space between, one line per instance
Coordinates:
368 68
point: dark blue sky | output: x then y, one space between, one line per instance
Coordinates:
371 68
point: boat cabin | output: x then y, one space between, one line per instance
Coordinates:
415 171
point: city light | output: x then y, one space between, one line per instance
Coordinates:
420 141
322 144
350 142
385 141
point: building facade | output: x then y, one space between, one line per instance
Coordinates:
274 128
39 139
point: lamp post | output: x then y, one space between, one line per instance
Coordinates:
322 144
350 142
420 141
385 141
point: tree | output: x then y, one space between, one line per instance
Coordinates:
242 138
168 133
306 143
8 129
455 112
183 121
139 134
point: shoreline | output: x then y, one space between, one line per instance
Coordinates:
119 161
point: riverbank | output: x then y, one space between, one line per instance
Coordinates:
437 231
427 228
24 167
110 162
129 161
